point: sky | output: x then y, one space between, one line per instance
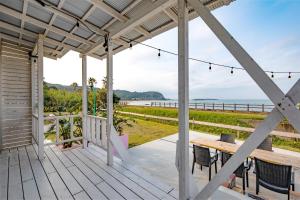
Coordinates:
267 29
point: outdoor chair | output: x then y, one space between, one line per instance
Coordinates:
266 144
277 178
241 172
229 138
203 157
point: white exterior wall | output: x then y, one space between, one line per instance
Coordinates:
15 96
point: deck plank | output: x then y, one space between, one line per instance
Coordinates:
114 183
137 179
81 196
67 163
144 194
4 162
15 188
68 179
109 191
88 186
28 181
43 184
30 190
83 168
59 187
141 173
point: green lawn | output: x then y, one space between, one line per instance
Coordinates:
227 117
143 131
230 118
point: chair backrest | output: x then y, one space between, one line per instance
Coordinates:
225 157
274 174
230 138
201 155
266 144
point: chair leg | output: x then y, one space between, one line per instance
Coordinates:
289 195
216 167
247 179
244 188
209 173
293 187
193 167
201 167
257 188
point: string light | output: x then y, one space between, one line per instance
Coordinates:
211 64
44 4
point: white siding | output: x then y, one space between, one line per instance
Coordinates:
15 95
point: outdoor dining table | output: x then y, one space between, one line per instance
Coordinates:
268 156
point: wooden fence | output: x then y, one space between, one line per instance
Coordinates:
219 106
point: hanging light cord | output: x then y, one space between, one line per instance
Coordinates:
210 63
131 41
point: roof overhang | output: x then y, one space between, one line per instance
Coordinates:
80 25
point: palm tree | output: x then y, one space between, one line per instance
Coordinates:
92 81
74 86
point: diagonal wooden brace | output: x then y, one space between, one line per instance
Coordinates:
260 133
285 105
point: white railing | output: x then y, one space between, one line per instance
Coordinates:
63 128
35 128
96 131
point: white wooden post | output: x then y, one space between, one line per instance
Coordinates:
33 96
40 68
1 133
84 99
109 124
183 102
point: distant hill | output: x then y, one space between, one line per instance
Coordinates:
127 95
123 94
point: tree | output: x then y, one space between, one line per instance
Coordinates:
92 81
74 86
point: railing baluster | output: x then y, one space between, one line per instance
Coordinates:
57 131
98 131
72 126
93 131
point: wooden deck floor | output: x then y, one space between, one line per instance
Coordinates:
79 174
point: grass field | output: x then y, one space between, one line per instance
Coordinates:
230 118
143 131
169 127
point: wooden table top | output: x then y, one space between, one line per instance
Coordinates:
268 156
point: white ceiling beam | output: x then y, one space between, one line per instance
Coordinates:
25 6
47 51
171 14
128 8
60 4
142 30
148 10
34 35
115 14
109 10
57 11
41 24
